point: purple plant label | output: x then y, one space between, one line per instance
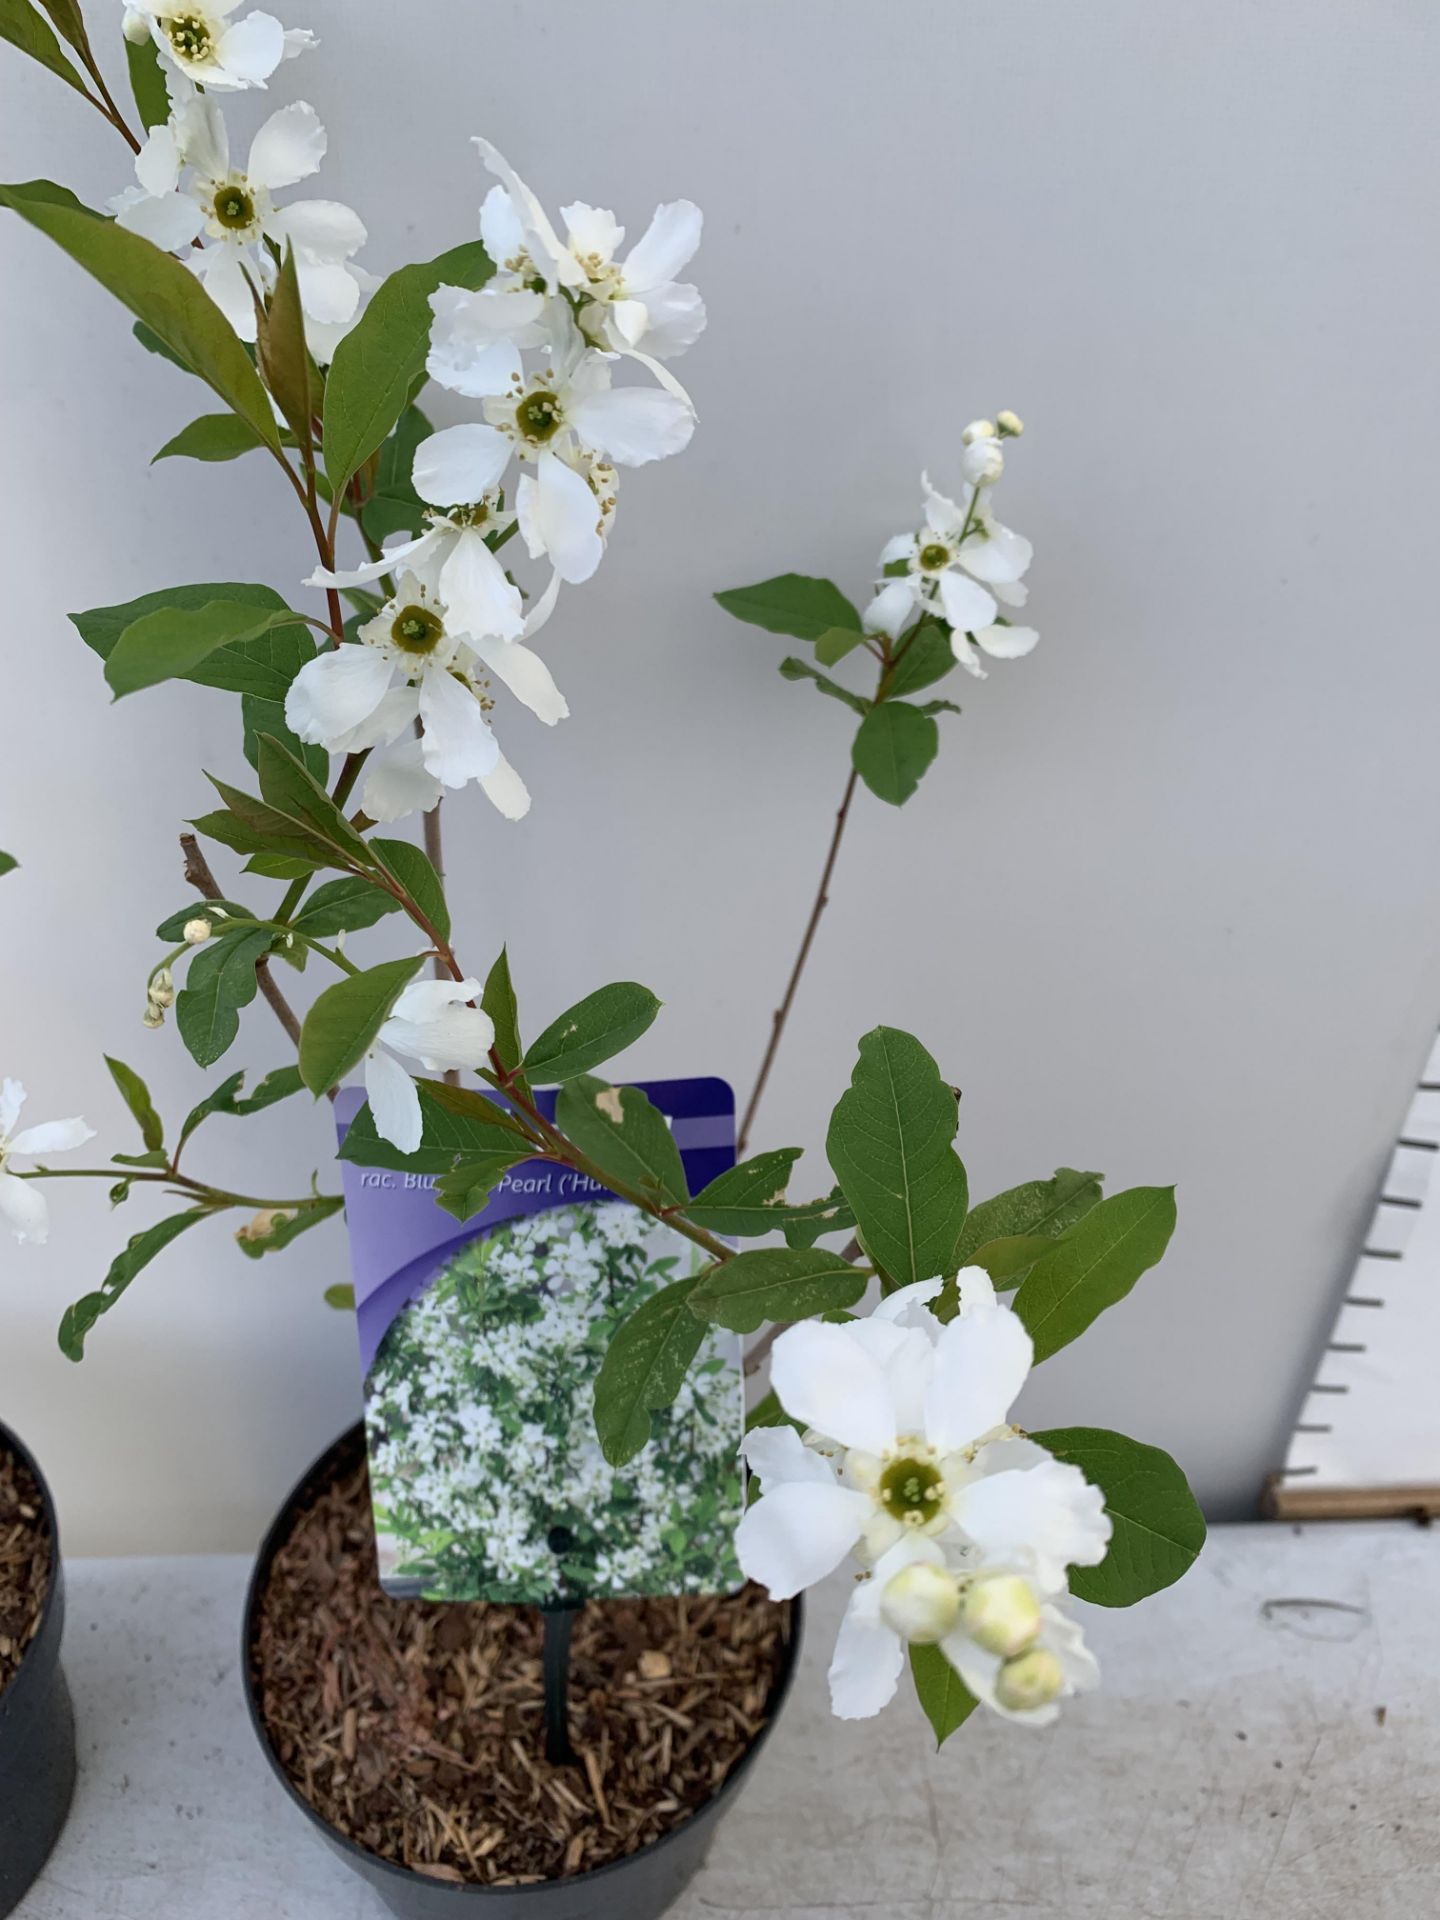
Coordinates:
480 1345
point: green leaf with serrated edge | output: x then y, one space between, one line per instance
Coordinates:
343 906
291 789
138 1252
1158 1527
345 1019
214 911
341 1296
926 658
812 1220
214 436
136 1095
947 1701
793 603
595 1029
264 666
281 353
376 364
624 1135
793 669
769 1413
644 1368
286 1226
498 1000
465 1190
456 1123
147 83
24 28
889 1145
171 642
259 717
8 863
228 1098
158 290
832 646
411 867
775 1283
894 746
220 982
749 1198
1096 1264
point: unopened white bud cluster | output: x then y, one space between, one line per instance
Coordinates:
159 994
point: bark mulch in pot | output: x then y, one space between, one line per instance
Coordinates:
26 1551
417 1730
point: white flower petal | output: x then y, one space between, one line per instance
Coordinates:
169 223
1010 593
505 790
900 1305
527 677
966 654
556 263
458 745
324 231
459 465
501 233
542 609
336 691
560 516
665 247
592 230
634 425
1006 643
12 1099
1037 1520
52 1136
248 53
288 147
329 292
974 1288
157 165
413 550
829 1381
431 1022
892 610
794 1536
1003 556
203 138
942 514
779 1456
675 320
477 368
480 599
966 604
981 1362
22 1206
865 1667
219 268
399 784
394 1103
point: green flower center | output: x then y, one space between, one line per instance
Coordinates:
234 208
416 630
189 35
474 515
538 417
911 1490
934 558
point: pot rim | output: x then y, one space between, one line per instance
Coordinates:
309 1482
24 1679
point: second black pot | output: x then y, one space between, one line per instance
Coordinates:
37 1731
639 1887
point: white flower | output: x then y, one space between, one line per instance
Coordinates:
21 1201
199 37
431 1023
908 1460
187 187
412 666
959 564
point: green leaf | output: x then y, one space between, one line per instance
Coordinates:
273 866
1043 1208
69 22
345 1019
775 1283
214 436
259 717
1158 1528
138 1252
281 353
395 506
769 1413
264 666
341 1296
894 746
889 1144
214 911
288 786
136 1096
793 669
1096 1264
228 1097
833 645
812 1220
221 980
147 83
749 1198
624 1135
928 657
793 603
1007 1258
598 1027
8 863
379 360
466 1189
947 1701
498 1000
286 1226
154 1157
24 28
265 833
171 642
158 290
644 1368
411 867
343 906
457 1122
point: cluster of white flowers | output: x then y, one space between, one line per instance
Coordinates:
961 565
965 1529
434 1022
22 1203
487 1471
538 346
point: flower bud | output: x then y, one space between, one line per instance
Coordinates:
978 430
1009 425
264 1223
1031 1680
153 1016
135 27
162 988
198 931
921 1603
1000 1613
982 462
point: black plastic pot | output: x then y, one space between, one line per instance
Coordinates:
640 1887
37 1732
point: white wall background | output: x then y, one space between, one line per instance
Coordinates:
1168 903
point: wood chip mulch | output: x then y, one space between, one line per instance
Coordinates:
25 1554
418 1729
